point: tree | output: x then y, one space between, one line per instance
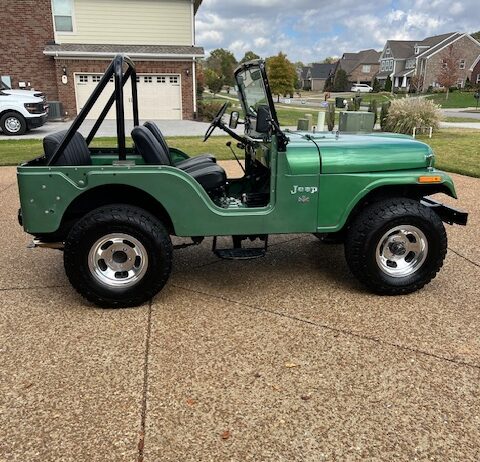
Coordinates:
340 82
329 83
249 56
373 108
281 75
416 83
449 73
214 81
200 73
388 84
330 60
476 35
223 63
376 85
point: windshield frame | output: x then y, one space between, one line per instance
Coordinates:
4 86
249 66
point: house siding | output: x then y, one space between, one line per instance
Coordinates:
358 76
465 48
127 22
27 26
475 78
67 92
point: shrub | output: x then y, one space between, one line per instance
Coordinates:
407 113
384 114
208 110
330 116
350 105
388 84
373 108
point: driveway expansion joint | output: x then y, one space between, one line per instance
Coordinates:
143 418
464 257
335 329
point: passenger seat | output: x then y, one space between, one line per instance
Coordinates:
189 164
211 176
75 154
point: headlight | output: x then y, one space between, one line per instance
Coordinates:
34 108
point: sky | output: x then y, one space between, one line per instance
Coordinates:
310 30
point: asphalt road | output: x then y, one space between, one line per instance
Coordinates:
285 358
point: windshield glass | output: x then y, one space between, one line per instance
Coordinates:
251 85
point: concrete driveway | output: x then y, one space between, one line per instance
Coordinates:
286 358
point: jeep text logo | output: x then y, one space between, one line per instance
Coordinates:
304 189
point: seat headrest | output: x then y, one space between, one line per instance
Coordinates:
76 152
149 148
157 133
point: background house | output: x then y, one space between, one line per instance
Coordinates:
475 72
361 67
315 75
423 59
48 39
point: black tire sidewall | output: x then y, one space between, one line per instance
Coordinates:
21 119
157 245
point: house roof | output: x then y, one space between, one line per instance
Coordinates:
383 75
197 4
72 50
350 61
322 70
401 49
435 43
475 63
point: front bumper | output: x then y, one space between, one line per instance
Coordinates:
447 214
35 122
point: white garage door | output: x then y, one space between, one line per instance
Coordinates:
159 96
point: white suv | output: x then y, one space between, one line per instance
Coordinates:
361 88
21 110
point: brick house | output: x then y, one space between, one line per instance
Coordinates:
361 67
475 72
403 60
44 40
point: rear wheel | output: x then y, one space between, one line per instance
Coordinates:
396 246
12 124
118 256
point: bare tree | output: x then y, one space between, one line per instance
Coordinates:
416 82
449 73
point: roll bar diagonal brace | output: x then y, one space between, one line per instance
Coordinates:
115 70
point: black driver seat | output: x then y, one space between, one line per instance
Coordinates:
211 176
188 164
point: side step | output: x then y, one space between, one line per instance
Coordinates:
238 252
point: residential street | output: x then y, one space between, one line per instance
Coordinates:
285 358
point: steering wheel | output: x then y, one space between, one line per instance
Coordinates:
217 122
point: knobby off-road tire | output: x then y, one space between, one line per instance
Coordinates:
118 256
384 246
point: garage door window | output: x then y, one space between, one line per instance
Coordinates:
161 79
83 79
63 15
148 79
96 78
174 80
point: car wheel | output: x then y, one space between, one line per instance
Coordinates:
12 124
396 246
118 256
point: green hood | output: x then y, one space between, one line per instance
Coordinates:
366 152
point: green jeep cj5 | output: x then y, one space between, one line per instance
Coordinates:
113 210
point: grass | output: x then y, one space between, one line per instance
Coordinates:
461 119
457 150
456 99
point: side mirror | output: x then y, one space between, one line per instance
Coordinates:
263 119
234 116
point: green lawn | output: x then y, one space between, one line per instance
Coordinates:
461 119
457 150
456 99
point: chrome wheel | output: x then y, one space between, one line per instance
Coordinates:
13 125
118 260
402 251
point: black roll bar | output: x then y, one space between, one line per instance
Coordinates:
115 70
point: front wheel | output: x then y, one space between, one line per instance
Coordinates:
396 246
118 256
12 124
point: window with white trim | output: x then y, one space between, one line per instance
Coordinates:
462 64
444 64
63 15
366 68
478 78
460 83
382 66
387 51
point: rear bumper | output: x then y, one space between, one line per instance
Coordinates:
35 122
447 214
